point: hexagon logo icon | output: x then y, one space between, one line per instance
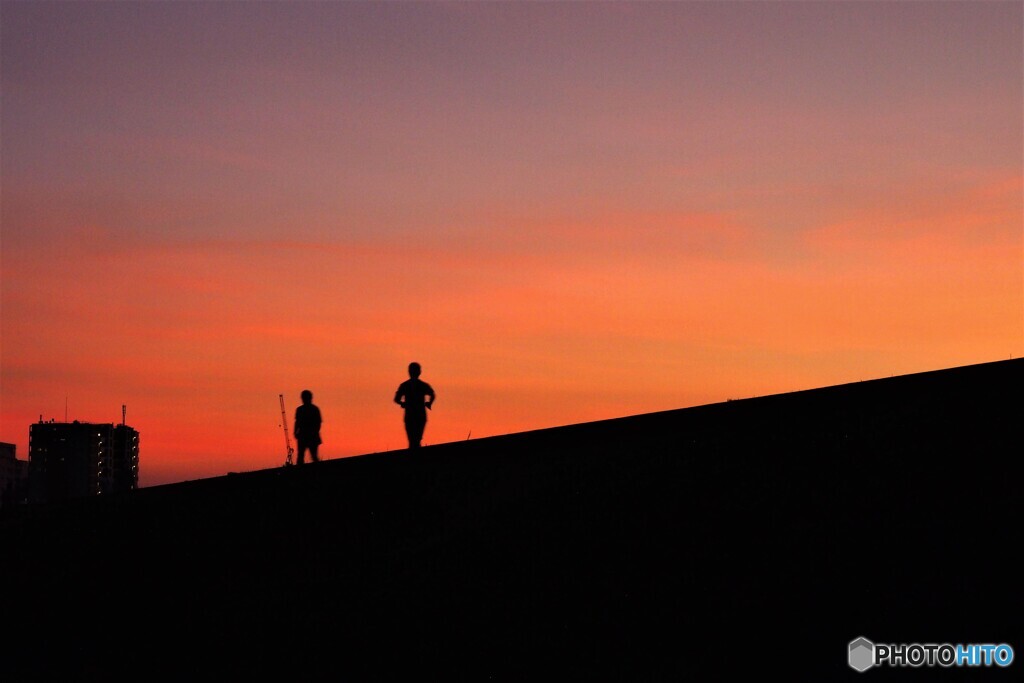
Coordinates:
862 654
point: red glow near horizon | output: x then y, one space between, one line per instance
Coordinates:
565 212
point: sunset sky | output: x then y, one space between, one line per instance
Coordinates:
564 211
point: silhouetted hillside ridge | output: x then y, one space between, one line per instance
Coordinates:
610 549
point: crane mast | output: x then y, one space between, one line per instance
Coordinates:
287 438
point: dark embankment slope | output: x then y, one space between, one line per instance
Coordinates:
754 537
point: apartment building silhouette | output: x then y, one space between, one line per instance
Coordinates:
13 476
78 459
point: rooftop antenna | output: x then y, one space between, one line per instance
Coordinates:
124 410
65 408
287 439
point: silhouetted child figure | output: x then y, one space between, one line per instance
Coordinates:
307 429
416 397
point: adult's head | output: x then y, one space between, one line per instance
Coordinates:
307 396
414 370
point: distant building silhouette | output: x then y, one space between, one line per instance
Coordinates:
78 459
13 476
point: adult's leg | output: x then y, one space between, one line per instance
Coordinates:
314 453
414 430
300 456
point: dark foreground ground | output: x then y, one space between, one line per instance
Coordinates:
748 539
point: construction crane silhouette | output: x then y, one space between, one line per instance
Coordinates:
287 438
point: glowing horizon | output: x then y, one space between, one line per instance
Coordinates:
565 212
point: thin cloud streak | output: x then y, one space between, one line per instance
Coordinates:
565 211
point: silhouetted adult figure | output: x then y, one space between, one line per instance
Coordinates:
307 429
416 397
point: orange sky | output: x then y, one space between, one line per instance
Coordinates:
565 212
